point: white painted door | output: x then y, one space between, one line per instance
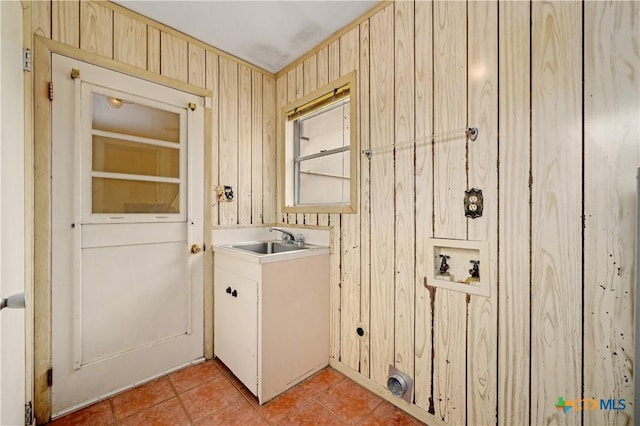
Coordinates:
127 208
12 231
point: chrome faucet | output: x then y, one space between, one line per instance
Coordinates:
288 237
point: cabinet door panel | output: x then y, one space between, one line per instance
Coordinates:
236 325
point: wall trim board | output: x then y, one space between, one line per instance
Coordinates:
384 393
335 36
172 31
92 58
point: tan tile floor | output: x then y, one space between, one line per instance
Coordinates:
208 394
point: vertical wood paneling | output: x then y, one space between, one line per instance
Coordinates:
211 83
228 139
41 18
310 79
291 218
129 41
365 205
243 192
322 61
323 78
404 188
256 147
382 235
612 154
153 50
282 100
450 181
269 157
96 28
196 65
335 221
423 377
174 57
350 237
556 253
482 344
65 22
515 165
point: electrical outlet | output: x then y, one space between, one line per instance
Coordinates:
224 193
473 203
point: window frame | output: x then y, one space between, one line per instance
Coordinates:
289 158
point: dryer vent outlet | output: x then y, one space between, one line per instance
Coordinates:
399 384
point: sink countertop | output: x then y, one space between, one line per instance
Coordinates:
310 250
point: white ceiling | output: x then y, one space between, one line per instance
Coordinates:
269 34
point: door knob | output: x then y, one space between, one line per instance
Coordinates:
195 249
228 290
234 293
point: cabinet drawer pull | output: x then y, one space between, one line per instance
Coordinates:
235 293
228 290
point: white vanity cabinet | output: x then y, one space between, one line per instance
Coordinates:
271 319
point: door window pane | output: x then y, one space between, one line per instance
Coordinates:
121 116
119 156
133 196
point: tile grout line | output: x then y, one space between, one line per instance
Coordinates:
177 395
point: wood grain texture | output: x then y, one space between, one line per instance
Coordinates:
423 376
174 57
269 149
65 22
243 193
556 252
196 65
335 221
350 238
612 155
96 28
322 62
42 229
382 233
482 89
129 41
41 18
256 147
365 205
281 101
404 188
514 350
211 83
450 182
153 49
228 137
292 76
310 79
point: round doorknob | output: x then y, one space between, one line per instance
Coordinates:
195 249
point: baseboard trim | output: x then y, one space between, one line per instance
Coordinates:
384 393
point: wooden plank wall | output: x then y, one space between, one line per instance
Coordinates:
242 144
558 182
243 125
556 161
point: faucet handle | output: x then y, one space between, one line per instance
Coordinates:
300 239
286 238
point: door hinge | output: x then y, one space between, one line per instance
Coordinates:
26 59
51 90
28 413
50 377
